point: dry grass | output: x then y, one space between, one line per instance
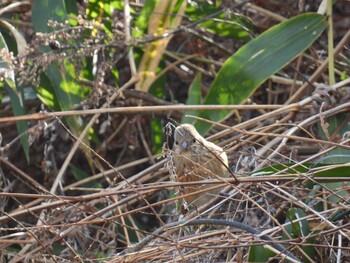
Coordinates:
140 207
126 210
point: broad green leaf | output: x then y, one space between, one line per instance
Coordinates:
5 69
336 127
3 42
259 254
236 27
59 88
66 90
72 11
16 97
20 41
333 171
194 98
46 93
45 10
71 7
225 24
299 229
18 109
62 91
261 57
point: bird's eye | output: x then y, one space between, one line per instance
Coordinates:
184 144
176 143
194 140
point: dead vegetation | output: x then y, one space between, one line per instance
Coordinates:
111 199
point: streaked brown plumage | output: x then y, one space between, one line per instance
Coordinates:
197 159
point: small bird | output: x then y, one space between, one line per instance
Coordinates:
196 159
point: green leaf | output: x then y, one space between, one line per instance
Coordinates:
316 170
80 174
67 91
236 27
72 11
337 171
17 99
257 60
299 228
259 254
157 90
46 93
194 98
45 10
105 8
18 109
71 7
166 15
338 126
277 168
141 22
225 24
20 41
58 90
157 135
296 229
5 69
102 11
3 42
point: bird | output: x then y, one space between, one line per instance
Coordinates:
197 159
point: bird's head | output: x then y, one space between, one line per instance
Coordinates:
185 136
